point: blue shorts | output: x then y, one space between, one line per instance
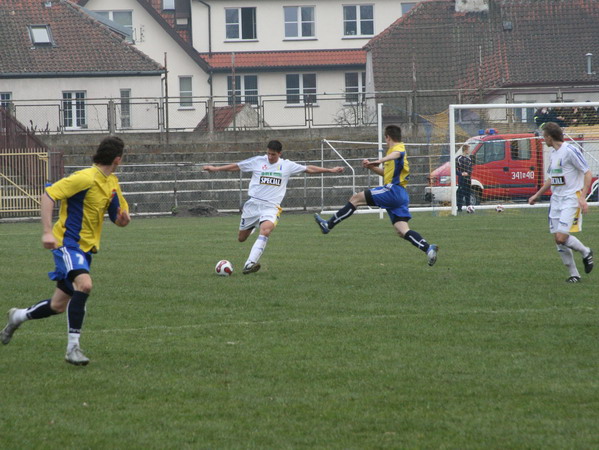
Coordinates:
393 198
68 259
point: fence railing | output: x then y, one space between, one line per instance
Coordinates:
219 113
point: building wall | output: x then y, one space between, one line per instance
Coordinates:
270 25
37 101
155 42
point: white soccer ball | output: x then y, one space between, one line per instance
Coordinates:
499 208
224 268
470 209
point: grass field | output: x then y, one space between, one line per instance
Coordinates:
341 341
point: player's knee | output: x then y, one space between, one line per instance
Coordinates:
84 285
560 239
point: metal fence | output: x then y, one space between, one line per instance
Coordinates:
24 174
207 114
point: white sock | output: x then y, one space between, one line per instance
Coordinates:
73 341
257 249
568 260
575 244
20 315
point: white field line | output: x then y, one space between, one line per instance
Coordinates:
323 320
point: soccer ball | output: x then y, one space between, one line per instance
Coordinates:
224 268
499 208
470 209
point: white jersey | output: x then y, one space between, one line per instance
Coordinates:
566 170
269 181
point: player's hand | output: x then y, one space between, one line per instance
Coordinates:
584 206
337 169
532 200
122 218
48 240
209 168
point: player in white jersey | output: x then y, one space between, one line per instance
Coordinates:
569 178
270 175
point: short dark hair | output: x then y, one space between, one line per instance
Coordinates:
109 148
554 131
275 145
393 132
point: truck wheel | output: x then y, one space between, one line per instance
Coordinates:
476 196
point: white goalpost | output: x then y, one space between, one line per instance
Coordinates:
510 134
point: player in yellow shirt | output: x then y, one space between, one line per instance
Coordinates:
85 196
392 196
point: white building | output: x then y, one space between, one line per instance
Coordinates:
42 56
297 62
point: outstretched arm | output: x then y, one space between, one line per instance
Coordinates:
318 169
227 168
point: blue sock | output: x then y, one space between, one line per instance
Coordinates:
40 310
414 238
342 214
76 311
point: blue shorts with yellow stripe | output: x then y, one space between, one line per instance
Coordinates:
392 197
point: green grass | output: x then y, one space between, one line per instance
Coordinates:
341 341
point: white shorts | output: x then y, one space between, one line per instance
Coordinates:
564 215
257 211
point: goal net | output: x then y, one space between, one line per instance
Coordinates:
508 154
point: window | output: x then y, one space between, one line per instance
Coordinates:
40 34
301 88
125 108
406 7
74 110
168 5
355 87
246 89
185 92
299 21
520 150
358 20
240 23
490 151
123 18
5 99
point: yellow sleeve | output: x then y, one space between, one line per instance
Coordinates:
70 186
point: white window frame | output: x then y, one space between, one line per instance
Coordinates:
299 22
358 21
239 24
77 105
111 17
168 5
186 96
125 108
40 34
301 90
242 92
5 99
355 94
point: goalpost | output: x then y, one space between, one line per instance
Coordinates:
510 157
509 154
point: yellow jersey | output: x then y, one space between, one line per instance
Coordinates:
397 171
85 196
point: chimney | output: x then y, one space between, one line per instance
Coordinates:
465 6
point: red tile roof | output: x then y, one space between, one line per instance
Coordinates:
515 43
81 45
302 59
223 117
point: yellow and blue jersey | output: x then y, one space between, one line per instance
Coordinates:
397 171
85 197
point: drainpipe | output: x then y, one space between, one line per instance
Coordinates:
209 26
